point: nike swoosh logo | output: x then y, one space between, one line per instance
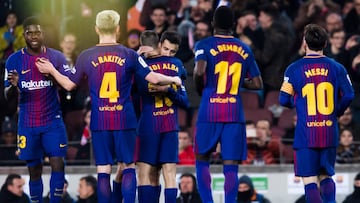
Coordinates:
25 71
62 145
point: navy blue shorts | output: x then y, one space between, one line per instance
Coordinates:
113 145
310 161
36 142
156 149
232 138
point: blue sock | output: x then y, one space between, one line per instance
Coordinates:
231 182
116 194
312 193
145 193
328 190
129 185
156 191
204 181
36 190
103 188
57 180
170 195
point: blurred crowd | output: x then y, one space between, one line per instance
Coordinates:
272 28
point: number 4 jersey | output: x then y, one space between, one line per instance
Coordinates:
229 61
110 70
321 90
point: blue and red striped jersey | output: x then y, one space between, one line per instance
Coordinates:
159 111
318 86
39 101
229 61
110 69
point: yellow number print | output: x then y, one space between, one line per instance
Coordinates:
319 98
161 100
224 71
21 141
108 87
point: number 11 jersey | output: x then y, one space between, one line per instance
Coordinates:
229 62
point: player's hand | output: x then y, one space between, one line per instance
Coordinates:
44 66
177 81
13 77
159 88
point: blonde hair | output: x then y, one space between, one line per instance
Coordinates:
107 21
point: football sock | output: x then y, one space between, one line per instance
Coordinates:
129 185
170 195
145 193
36 190
116 194
231 182
204 181
57 180
156 190
312 193
328 190
103 188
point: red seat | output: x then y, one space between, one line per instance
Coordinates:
271 98
250 100
258 114
286 119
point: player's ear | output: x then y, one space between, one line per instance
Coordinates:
97 30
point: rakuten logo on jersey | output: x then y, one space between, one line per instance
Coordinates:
35 85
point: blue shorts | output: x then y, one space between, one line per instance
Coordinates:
312 161
36 142
232 138
113 145
156 149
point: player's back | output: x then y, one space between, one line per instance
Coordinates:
110 69
39 101
229 61
316 81
159 112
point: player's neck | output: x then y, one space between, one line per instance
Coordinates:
152 54
35 52
311 52
107 39
221 32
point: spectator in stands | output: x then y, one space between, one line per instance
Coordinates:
352 19
355 196
133 39
186 151
347 152
66 198
87 190
12 190
158 20
202 30
336 47
347 121
248 30
188 189
272 57
83 154
8 146
11 36
288 138
333 21
247 192
263 149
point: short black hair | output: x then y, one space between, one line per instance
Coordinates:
171 36
149 38
159 6
270 10
193 178
223 18
315 37
32 20
90 181
9 180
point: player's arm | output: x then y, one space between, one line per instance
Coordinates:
160 79
199 75
46 67
255 83
347 93
11 90
179 97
